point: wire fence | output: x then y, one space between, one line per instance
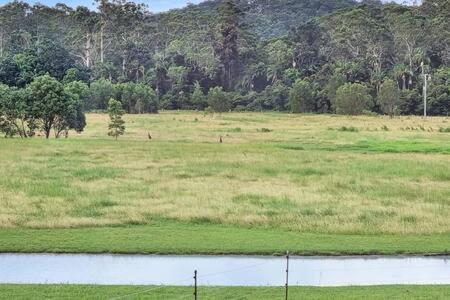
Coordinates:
195 295
194 291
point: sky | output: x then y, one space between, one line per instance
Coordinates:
154 5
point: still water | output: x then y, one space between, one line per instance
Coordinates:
221 270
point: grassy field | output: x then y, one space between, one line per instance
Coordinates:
135 292
383 184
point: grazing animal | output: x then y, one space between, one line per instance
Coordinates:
149 136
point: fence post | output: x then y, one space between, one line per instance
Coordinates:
195 285
287 275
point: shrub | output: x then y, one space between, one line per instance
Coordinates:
352 99
389 97
301 97
218 100
101 91
138 98
198 99
348 129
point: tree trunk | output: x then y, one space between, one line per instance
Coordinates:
102 50
88 49
124 65
1 44
47 128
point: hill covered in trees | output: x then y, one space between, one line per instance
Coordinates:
266 18
286 55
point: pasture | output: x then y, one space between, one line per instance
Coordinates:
330 177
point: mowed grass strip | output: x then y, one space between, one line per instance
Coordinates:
179 238
146 292
288 173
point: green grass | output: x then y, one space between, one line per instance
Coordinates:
142 292
297 184
205 237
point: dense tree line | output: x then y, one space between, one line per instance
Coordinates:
317 56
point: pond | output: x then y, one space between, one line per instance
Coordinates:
108 269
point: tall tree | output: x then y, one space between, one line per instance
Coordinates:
227 45
82 34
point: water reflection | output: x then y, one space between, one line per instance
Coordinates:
221 270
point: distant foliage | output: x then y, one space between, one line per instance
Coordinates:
352 99
198 98
301 97
219 100
389 98
284 55
137 98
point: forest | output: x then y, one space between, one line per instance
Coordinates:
309 56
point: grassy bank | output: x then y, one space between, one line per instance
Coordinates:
311 183
177 238
135 292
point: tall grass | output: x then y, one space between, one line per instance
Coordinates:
299 175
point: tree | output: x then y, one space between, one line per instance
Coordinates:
137 98
6 125
276 96
198 98
279 57
74 117
50 103
101 91
352 99
219 100
301 97
53 59
406 25
389 97
86 24
146 101
117 125
227 47
81 91
334 83
439 94
15 113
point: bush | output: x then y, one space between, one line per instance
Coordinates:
218 100
352 99
389 97
276 96
334 83
301 97
198 99
101 91
348 129
138 98
410 102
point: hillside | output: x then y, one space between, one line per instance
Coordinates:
284 55
271 18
